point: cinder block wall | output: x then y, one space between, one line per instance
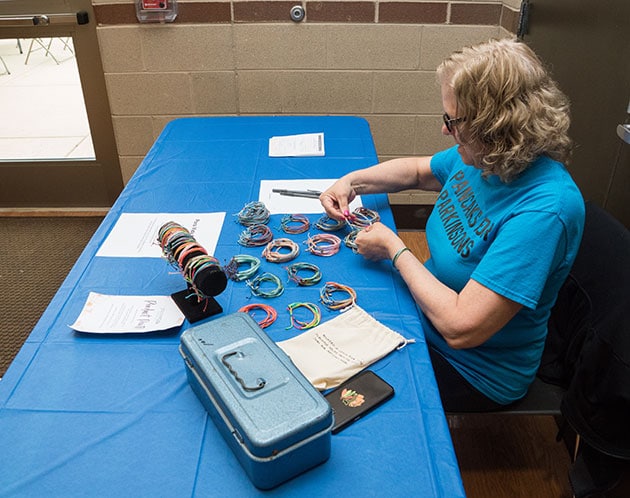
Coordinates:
374 59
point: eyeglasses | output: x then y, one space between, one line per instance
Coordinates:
450 122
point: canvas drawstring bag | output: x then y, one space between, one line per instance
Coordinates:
339 348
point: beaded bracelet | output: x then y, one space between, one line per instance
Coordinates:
328 224
271 313
256 284
255 235
326 296
302 325
323 244
272 252
253 213
315 277
233 268
288 223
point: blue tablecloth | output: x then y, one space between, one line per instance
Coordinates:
88 415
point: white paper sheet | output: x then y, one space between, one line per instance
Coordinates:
105 314
135 234
282 204
306 144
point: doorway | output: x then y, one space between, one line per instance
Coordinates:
42 73
56 136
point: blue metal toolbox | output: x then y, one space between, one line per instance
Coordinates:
276 423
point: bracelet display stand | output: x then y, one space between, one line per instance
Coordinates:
195 308
203 274
197 305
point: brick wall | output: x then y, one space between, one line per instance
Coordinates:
373 59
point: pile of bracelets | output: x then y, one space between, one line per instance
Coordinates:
256 285
349 240
253 213
255 235
194 272
272 252
300 324
327 292
323 244
294 223
233 268
200 270
172 238
364 217
328 224
295 268
271 313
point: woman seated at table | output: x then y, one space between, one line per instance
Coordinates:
504 231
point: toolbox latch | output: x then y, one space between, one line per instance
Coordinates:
238 436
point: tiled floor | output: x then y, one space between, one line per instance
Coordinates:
42 114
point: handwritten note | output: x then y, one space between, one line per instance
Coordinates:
106 314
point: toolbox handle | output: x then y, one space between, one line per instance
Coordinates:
261 382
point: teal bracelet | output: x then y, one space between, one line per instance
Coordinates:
397 255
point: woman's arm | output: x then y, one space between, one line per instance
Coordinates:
465 319
390 176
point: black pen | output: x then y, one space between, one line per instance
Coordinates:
310 194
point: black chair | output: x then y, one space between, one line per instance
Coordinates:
542 398
584 376
590 355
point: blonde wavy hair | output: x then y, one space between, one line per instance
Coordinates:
514 112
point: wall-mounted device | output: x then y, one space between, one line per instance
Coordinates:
156 10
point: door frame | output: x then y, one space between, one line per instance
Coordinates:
65 183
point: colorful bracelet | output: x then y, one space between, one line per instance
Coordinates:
271 313
255 235
294 223
364 217
326 296
315 277
328 224
233 268
272 252
323 244
301 324
253 213
350 240
256 284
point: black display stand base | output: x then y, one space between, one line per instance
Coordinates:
193 309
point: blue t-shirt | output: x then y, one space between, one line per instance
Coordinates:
518 239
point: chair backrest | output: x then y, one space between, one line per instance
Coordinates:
590 351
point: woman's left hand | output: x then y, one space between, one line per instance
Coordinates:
378 242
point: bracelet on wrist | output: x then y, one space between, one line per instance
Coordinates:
397 255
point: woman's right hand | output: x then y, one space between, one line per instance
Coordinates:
337 198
